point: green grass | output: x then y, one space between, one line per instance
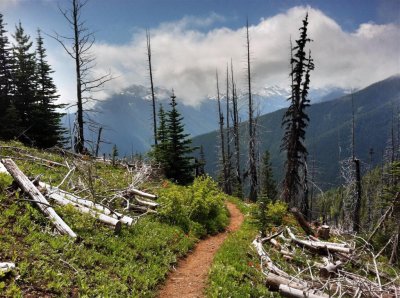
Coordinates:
131 264
235 270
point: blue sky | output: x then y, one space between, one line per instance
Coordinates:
193 37
114 20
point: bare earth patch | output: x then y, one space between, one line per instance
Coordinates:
190 277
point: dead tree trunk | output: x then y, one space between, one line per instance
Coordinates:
228 130
252 140
152 88
98 141
27 186
357 205
221 131
238 183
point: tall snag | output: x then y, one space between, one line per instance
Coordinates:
152 87
222 139
238 176
228 138
294 122
78 47
252 128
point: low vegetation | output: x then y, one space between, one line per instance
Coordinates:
236 267
101 263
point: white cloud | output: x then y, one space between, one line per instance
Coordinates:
185 58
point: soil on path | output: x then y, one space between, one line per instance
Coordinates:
190 277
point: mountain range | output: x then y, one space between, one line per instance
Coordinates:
328 136
126 117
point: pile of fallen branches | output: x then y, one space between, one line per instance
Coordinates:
42 194
314 268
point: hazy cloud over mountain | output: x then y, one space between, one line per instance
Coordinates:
186 54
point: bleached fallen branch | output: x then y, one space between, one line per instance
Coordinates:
143 194
59 199
318 246
27 186
6 267
287 291
56 193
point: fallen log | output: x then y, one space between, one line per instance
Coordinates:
273 281
320 247
59 199
55 193
287 291
146 203
265 259
27 186
6 267
302 221
143 194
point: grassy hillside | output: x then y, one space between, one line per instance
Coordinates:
100 263
328 136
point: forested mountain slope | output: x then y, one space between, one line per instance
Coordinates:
328 136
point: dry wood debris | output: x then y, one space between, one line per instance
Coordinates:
322 268
42 191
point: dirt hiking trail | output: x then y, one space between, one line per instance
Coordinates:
190 277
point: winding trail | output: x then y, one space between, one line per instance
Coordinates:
190 277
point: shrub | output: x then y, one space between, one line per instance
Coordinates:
276 212
198 208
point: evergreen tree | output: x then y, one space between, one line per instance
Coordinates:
24 76
6 125
295 120
268 185
202 162
46 130
178 166
160 151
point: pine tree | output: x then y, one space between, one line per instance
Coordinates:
202 162
6 64
179 167
268 184
24 76
295 120
160 150
47 130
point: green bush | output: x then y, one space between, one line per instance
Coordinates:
198 208
276 212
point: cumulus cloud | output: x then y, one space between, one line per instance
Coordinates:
185 56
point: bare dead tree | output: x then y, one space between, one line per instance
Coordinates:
152 87
228 138
252 131
222 139
356 161
235 113
98 141
78 46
